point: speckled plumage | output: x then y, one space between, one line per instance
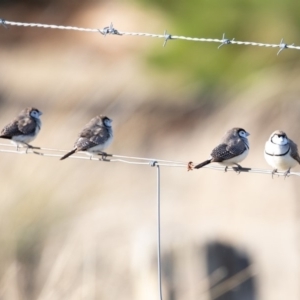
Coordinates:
233 149
24 128
95 136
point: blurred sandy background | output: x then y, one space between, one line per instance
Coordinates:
85 230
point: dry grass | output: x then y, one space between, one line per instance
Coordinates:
85 230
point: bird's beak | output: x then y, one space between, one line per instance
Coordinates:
247 133
41 113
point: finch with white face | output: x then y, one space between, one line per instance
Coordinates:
96 136
281 153
24 128
233 148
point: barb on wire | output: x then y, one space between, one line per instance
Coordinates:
283 46
111 30
167 37
2 22
225 41
58 153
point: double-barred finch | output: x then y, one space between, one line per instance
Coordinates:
24 128
234 148
281 153
94 138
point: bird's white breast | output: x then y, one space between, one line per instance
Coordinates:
276 160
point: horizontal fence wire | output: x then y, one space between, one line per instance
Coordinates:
110 30
58 153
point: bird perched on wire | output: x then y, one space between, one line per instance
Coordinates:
24 128
281 153
234 148
94 138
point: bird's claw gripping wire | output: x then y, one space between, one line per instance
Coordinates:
273 173
104 156
237 169
27 146
109 30
32 147
225 41
287 173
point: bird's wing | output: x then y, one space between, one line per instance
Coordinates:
294 151
19 126
100 136
11 129
27 125
227 151
91 137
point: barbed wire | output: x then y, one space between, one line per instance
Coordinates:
57 153
110 30
235 280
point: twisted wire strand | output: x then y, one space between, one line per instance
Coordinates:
57 153
110 30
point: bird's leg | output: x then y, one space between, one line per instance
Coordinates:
225 170
27 147
238 168
31 147
274 172
104 156
286 174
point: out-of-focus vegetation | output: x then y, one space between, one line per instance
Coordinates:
258 21
86 230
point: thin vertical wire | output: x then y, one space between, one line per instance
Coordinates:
158 233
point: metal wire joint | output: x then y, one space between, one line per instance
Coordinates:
153 163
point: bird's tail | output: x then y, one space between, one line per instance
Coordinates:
203 164
5 137
68 154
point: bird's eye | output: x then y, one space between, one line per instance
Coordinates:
35 114
242 133
107 122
